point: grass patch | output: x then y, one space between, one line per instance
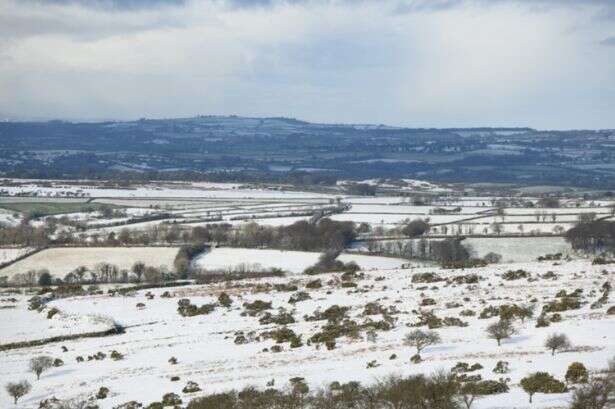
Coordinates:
39 209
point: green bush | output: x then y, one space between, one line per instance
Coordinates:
501 367
577 373
542 382
515 275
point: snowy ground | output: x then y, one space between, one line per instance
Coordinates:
292 261
60 261
207 354
521 249
11 253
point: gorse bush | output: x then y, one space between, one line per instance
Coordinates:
439 391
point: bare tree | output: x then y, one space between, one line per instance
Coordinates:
138 269
40 364
597 394
555 342
500 330
18 389
421 339
469 392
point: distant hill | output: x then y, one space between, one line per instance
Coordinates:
286 149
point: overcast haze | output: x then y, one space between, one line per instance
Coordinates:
548 64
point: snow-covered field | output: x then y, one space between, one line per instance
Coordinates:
225 258
60 261
9 254
20 324
522 249
205 191
206 353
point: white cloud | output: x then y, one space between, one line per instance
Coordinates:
463 63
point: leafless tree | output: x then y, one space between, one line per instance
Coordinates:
421 339
501 330
18 389
555 342
40 364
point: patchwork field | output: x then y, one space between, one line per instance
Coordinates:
51 208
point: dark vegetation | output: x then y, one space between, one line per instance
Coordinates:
595 236
257 149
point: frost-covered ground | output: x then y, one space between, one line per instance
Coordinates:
206 353
225 258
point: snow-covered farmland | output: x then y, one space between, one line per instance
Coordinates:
293 261
207 354
521 249
18 323
62 260
10 254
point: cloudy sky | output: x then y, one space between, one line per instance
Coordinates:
548 64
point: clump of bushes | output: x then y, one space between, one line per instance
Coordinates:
191 387
171 399
563 304
314 284
285 287
187 309
464 367
298 297
465 279
282 318
334 313
255 307
426 278
501 367
328 263
515 275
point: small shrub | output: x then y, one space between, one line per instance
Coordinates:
501 367
186 309
314 284
576 373
53 311
463 367
225 300
515 275
102 393
298 297
426 278
191 387
253 308
171 399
